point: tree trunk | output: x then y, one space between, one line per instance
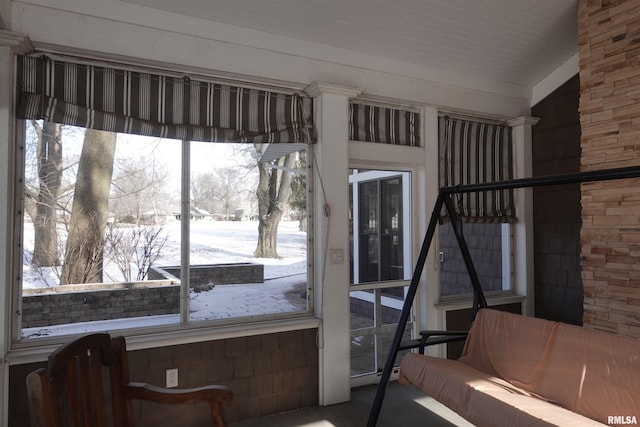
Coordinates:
85 243
45 251
274 188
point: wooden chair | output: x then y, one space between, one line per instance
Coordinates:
87 383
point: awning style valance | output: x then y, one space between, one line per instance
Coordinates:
473 153
384 125
142 103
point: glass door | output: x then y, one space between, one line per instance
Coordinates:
380 206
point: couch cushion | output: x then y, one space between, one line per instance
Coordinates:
490 407
605 373
594 373
513 347
481 398
448 381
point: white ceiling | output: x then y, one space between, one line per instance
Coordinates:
512 41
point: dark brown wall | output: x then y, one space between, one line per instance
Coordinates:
556 209
268 374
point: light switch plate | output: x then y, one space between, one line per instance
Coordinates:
172 378
336 256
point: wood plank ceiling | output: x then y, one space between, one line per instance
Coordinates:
512 41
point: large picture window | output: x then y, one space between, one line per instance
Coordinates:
149 200
104 225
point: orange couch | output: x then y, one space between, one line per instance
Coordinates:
522 371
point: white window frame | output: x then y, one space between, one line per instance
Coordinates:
186 331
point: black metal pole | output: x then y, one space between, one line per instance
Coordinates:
404 315
569 178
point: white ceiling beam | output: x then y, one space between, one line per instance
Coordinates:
557 78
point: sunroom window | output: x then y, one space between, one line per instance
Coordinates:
132 223
475 152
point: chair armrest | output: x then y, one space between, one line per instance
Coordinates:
215 395
212 393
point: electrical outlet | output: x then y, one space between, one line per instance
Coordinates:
172 378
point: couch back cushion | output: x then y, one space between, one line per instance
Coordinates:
593 373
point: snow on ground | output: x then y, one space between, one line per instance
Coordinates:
211 242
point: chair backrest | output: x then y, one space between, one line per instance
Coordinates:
81 385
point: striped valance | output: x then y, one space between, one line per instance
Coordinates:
384 125
142 103
474 153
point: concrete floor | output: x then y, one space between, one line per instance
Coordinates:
404 405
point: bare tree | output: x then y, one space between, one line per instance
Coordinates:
138 185
298 197
137 245
228 189
84 251
203 191
274 188
224 190
49 173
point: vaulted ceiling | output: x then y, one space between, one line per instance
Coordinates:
512 41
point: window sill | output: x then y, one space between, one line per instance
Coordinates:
459 302
39 349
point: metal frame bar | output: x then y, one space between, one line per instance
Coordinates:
444 198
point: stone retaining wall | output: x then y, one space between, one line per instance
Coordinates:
217 274
94 302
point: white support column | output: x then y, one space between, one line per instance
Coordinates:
428 294
331 239
523 230
6 131
10 43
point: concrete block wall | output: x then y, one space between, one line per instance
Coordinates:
609 38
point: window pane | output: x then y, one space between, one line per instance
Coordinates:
247 259
379 212
99 214
101 237
485 242
391 234
374 317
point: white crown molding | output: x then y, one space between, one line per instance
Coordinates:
319 88
19 43
523 120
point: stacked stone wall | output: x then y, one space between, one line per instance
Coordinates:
609 38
